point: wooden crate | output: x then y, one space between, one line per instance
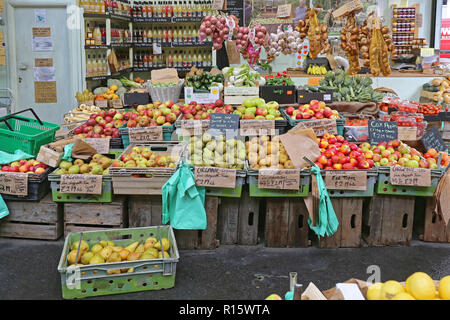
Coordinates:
435 229
95 216
144 211
33 220
349 214
388 220
286 223
201 239
238 220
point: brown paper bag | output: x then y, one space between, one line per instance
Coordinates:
233 55
336 294
113 63
82 150
301 143
165 76
441 197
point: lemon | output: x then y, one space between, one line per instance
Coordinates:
390 289
403 296
421 286
444 288
273 297
374 291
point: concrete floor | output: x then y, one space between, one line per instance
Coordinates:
28 269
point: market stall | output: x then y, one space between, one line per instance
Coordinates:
164 151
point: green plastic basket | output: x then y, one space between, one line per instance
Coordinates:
385 187
105 197
252 179
123 131
371 181
28 134
292 123
94 280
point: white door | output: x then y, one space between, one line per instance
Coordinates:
49 90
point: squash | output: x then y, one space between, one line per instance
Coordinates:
437 82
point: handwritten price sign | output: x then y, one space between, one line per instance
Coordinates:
14 184
215 177
405 176
81 184
284 179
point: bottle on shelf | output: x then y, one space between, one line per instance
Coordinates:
88 66
97 36
164 36
150 35
89 35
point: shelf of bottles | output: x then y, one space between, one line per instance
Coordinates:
135 29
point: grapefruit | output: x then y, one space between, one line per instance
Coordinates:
444 288
390 289
421 286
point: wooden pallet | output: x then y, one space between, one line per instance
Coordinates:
33 220
95 216
201 239
144 211
349 214
286 223
388 220
435 229
238 220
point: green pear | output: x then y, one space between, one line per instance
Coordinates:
83 247
96 248
96 259
87 257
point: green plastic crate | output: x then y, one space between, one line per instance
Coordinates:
385 187
123 131
28 135
252 180
105 197
292 123
94 280
371 181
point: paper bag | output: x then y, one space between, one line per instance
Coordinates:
301 143
441 198
82 150
336 294
113 63
165 76
233 55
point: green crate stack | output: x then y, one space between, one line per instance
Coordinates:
94 280
252 180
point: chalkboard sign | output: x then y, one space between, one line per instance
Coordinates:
236 7
382 131
432 117
445 116
433 139
224 123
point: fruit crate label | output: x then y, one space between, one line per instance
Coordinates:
407 133
406 176
81 184
99 144
320 126
215 177
283 179
146 134
193 124
202 98
433 139
314 81
116 104
382 131
257 127
346 180
102 104
15 184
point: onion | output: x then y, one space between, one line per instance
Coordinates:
217 46
260 35
208 31
213 20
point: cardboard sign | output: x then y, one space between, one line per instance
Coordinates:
283 179
165 76
81 184
433 139
45 92
347 8
99 144
215 177
193 124
41 32
43 62
320 126
224 122
285 11
146 134
116 104
346 180
405 176
233 54
102 104
49 156
407 133
382 131
14 183
257 127
218 5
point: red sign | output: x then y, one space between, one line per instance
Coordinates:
445 37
